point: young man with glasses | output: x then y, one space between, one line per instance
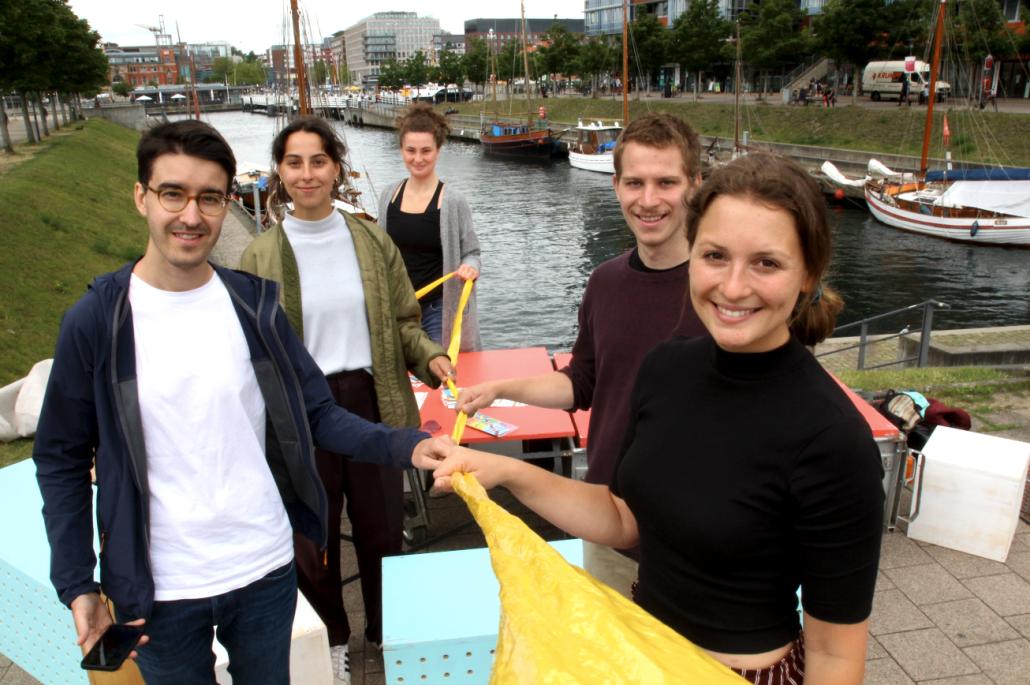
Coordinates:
184 385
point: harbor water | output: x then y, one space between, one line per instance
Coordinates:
544 227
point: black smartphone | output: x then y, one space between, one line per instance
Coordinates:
113 648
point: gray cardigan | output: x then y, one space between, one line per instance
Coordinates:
460 246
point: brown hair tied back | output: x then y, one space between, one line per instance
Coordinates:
420 117
331 145
779 183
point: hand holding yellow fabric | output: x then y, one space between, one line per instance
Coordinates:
561 625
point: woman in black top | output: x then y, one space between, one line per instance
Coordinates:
432 226
745 471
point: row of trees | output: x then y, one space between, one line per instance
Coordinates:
774 36
49 54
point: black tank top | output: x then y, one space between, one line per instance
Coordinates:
418 238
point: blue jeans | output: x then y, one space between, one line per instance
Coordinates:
432 320
254 623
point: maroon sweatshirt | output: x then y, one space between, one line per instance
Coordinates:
625 313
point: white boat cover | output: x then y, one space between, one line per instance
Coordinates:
831 171
1004 197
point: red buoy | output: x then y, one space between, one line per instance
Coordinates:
839 193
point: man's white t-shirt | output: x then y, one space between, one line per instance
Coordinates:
217 521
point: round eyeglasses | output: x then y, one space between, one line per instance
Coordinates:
175 200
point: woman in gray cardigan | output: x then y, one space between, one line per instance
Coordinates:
432 226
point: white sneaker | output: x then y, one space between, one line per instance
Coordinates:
341 663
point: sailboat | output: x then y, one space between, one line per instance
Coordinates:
594 149
517 139
988 206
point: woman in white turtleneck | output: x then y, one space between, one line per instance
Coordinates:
347 294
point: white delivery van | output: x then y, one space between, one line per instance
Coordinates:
883 79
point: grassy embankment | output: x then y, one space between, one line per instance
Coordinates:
976 136
983 392
67 216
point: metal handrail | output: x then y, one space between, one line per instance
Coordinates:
923 355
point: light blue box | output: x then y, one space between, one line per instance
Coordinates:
36 630
440 615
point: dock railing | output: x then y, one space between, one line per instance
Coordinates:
865 340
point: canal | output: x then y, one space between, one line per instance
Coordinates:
543 229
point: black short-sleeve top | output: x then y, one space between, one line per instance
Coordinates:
749 475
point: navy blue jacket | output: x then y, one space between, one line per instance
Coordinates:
91 410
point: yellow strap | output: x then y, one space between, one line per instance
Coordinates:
429 288
452 351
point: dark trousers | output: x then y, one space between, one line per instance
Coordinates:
374 496
254 624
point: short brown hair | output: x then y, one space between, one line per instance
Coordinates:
662 130
779 183
420 117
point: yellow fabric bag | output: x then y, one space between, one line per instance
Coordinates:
561 625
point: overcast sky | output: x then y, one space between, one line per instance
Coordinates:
257 24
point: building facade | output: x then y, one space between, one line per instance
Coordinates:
384 36
507 30
142 66
604 17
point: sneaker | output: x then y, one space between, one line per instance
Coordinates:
341 663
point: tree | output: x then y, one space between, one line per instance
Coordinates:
593 60
221 70
120 88
772 36
559 56
391 75
509 63
416 69
248 73
979 31
46 49
698 38
452 68
320 72
474 62
648 47
852 32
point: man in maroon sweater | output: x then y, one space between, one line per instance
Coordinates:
631 303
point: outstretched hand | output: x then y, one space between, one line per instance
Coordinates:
431 452
489 469
470 400
92 618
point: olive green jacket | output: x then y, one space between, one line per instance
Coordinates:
394 316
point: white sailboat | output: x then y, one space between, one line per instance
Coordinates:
595 140
986 206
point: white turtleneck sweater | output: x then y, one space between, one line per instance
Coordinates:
331 295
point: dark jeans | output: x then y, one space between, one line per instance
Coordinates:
432 320
374 497
253 623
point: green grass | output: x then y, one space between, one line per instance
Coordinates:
12 452
975 389
976 136
67 216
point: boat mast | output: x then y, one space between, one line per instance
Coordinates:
625 63
525 65
736 96
298 62
492 49
934 66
